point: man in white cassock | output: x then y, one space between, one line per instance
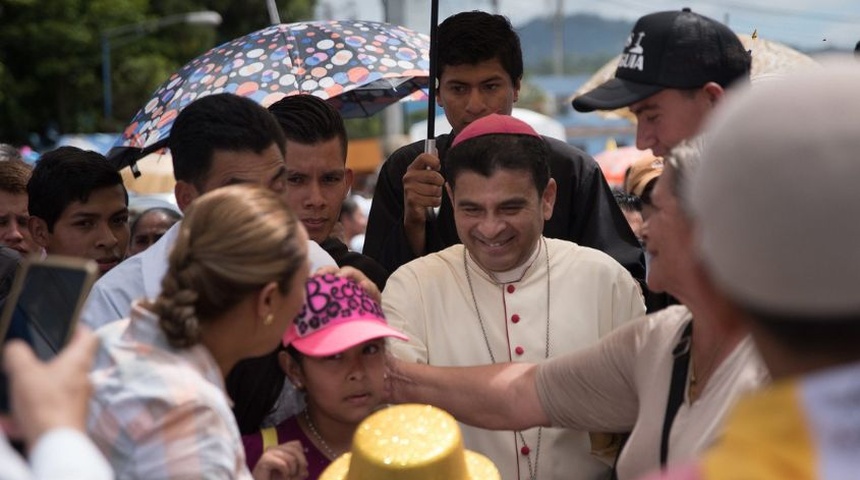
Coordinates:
507 293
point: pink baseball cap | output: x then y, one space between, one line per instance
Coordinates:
494 124
337 315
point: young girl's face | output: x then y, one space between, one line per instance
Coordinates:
346 387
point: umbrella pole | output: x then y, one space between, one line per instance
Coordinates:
274 16
430 143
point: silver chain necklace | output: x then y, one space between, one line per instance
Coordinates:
327 450
532 471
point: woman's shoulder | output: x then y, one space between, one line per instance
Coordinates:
665 326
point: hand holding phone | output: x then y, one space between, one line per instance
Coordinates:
43 305
53 394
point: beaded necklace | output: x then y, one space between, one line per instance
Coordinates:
525 450
327 450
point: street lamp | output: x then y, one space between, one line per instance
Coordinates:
134 30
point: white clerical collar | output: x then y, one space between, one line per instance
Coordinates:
517 273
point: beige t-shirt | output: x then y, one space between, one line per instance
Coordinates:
622 385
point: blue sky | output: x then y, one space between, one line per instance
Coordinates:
809 24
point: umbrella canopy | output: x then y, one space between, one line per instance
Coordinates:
157 170
361 67
769 59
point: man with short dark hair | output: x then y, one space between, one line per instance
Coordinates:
508 292
317 178
216 141
480 73
79 207
674 69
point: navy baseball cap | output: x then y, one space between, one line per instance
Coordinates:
675 49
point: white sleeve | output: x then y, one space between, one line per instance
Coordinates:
98 309
112 295
66 453
627 300
317 257
402 305
12 466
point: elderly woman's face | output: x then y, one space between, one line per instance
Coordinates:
667 234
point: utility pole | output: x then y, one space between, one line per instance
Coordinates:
558 44
395 13
274 16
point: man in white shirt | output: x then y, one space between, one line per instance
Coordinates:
508 293
216 141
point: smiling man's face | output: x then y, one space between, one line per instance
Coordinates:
500 218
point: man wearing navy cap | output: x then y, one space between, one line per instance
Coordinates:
675 67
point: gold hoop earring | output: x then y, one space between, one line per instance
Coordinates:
268 320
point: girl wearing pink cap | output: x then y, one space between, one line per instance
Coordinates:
335 355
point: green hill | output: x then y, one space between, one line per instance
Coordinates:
589 41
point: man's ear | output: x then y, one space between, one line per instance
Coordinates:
714 92
517 85
348 177
185 194
548 199
39 231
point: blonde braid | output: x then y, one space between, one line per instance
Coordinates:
232 242
176 303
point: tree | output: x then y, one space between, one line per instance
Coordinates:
50 57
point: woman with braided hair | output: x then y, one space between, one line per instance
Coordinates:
234 283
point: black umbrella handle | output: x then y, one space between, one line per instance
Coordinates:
431 90
430 147
430 143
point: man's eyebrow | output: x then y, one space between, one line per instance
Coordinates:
84 215
643 108
121 211
236 181
467 203
513 202
281 172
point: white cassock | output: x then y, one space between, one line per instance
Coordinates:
589 295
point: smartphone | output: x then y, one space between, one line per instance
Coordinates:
43 306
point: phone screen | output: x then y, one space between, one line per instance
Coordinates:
47 305
43 305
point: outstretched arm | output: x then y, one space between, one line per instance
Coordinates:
500 397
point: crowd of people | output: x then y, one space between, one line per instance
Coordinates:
700 325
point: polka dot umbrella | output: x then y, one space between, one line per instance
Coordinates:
360 67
